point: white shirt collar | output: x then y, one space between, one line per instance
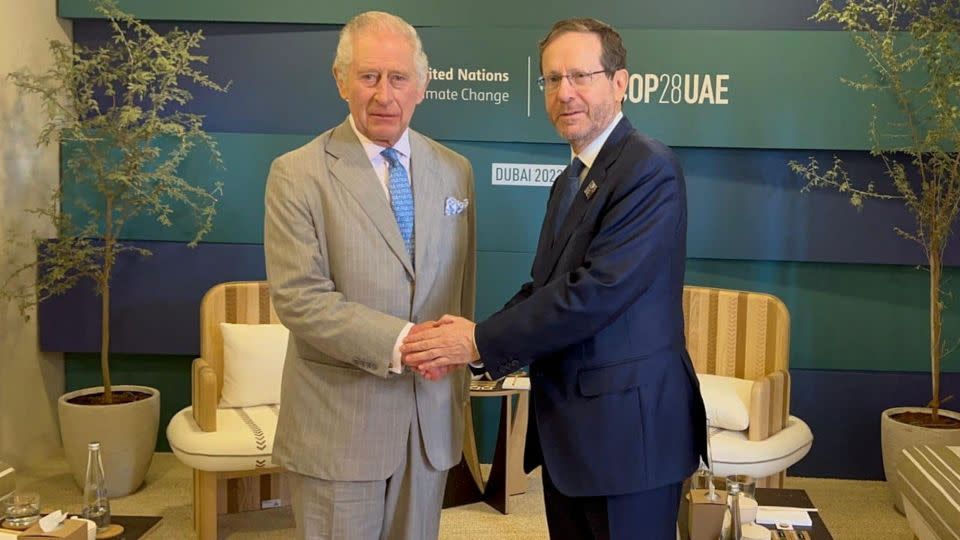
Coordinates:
589 154
373 150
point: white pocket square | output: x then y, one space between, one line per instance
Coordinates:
453 206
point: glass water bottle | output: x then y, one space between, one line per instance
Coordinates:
96 507
733 491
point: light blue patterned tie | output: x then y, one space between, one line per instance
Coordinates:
401 198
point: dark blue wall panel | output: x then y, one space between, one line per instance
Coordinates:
843 410
155 300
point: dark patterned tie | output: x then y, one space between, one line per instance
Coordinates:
401 198
567 188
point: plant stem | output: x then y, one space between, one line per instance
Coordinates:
108 241
936 345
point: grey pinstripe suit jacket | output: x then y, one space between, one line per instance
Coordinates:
342 282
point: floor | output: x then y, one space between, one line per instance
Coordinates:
851 509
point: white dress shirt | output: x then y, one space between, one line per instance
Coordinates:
589 153
382 168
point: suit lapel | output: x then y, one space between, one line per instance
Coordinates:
428 198
352 169
545 241
597 175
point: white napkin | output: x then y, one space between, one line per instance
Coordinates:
52 521
793 516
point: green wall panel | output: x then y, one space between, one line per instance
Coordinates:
644 13
765 215
843 316
247 158
715 88
499 276
239 218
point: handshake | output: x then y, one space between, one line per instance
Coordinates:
435 348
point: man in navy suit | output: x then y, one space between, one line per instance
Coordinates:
618 418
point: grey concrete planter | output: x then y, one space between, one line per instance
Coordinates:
895 436
127 433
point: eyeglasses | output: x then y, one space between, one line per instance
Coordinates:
578 79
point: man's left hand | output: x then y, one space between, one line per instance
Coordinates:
448 344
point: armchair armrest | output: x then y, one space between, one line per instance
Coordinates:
204 397
769 405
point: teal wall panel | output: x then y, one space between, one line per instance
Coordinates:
168 374
843 316
499 276
742 204
714 88
239 217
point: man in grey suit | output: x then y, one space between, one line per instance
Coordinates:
369 229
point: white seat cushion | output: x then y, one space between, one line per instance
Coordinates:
733 453
243 440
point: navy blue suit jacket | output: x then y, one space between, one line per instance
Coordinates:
615 402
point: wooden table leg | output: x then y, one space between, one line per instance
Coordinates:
517 480
496 493
506 475
465 481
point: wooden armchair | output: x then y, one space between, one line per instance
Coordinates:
746 335
228 448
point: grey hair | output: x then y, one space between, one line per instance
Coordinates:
378 21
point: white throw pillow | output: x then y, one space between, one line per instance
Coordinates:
727 400
253 356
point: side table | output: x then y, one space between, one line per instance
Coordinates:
771 497
465 483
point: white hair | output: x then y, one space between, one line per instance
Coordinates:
378 21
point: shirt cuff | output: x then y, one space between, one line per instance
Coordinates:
395 365
478 371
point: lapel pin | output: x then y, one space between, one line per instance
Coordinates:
591 189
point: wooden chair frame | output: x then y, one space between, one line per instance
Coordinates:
216 493
745 335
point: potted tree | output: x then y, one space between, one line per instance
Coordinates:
117 112
913 47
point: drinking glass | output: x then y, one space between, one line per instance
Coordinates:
21 509
748 484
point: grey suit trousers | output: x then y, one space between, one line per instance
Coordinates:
405 506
